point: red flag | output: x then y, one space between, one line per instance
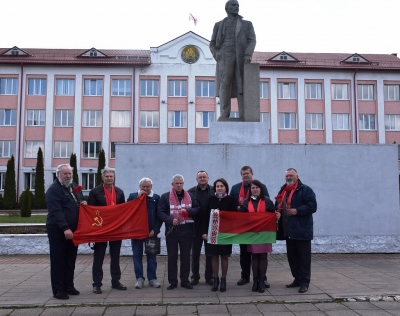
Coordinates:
116 222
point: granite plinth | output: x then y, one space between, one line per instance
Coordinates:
238 133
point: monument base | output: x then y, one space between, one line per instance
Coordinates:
238 133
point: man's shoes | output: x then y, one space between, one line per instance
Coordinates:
139 283
171 287
119 286
72 291
61 295
187 286
194 282
97 290
267 285
243 281
303 289
210 281
293 284
154 283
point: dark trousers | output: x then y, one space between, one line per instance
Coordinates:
62 259
196 251
98 258
184 244
299 257
245 261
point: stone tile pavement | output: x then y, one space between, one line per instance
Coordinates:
341 284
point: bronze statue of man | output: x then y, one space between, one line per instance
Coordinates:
232 45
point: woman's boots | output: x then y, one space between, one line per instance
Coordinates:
261 285
215 284
223 285
255 285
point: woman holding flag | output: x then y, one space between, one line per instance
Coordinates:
258 202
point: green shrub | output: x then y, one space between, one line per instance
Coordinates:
26 203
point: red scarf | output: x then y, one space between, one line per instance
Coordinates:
260 207
243 196
281 197
111 197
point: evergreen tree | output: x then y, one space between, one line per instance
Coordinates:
26 201
73 164
40 196
10 192
102 164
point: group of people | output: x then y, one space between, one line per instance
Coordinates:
186 215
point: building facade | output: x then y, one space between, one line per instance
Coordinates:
79 101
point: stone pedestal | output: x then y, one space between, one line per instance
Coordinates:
251 92
238 133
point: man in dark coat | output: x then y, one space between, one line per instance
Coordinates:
202 191
106 194
62 220
297 202
232 45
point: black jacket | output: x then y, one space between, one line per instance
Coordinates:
235 190
203 207
98 198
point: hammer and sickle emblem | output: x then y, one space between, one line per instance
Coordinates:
98 220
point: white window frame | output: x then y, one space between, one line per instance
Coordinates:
177 88
88 180
287 90
32 148
121 87
205 89
7 148
314 121
366 92
93 87
30 180
37 86
149 88
8 86
120 119
65 87
341 121
92 118
291 116
66 118
149 119
340 91
62 149
391 92
2 180
366 122
234 115
392 122
177 119
265 118
91 154
204 119
264 90
11 119
35 117
313 90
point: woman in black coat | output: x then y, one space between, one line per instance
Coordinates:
222 201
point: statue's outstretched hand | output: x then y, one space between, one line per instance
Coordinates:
247 59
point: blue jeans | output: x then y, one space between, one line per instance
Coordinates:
137 249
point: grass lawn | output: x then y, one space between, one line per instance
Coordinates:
15 219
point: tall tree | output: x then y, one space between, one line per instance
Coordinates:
25 201
39 200
73 164
102 164
10 192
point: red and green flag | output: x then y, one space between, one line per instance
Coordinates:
226 228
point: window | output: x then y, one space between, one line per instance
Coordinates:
121 87
2 180
392 92
366 92
36 86
8 117
30 181
177 88
341 121
392 122
92 118
32 148
234 115
176 119
367 122
287 120
264 117
62 149
340 91
65 87
88 181
286 90
149 118
8 86
7 148
91 149
264 90
64 118
35 117
120 119
205 89
93 87
149 88
112 155
314 121
204 119
314 91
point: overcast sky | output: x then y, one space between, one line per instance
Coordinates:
320 26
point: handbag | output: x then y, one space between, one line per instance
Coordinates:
152 246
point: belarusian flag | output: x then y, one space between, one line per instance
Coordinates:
226 228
